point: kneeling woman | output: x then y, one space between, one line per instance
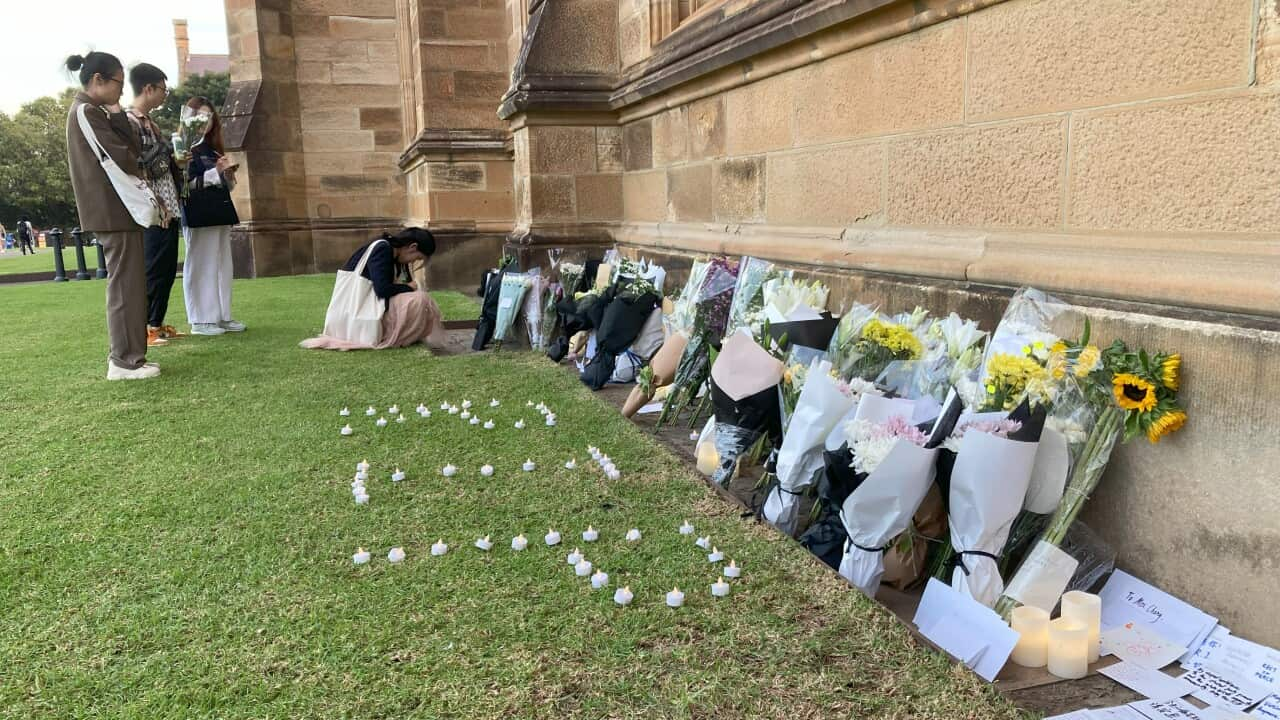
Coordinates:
412 316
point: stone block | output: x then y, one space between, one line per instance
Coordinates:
355 8
437 85
562 150
909 83
609 149
706 128
384 51
358 28
452 56
498 174
310 25
1035 57
334 96
480 206
738 190
333 119
455 176
1194 166
837 186
637 145
599 197
324 49
460 114
365 73
633 39
551 197
431 25
580 37
994 176
475 24
337 141
670 137
388 140
314 72
480 84
278 47
353 185
379 118
689 191
759 115
644 196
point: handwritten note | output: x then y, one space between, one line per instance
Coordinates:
1174 710
1123 712
1140 645
1208 649
1269 708
1249 661
1223 692
1126 599
1150 683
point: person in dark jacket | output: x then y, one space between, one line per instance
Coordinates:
206 272
412 316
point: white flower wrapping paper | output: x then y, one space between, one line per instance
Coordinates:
819 409
881 508
988 486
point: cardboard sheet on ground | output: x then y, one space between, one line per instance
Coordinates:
968 631
1140 645
1152 684
743 368
1224 692
1127 599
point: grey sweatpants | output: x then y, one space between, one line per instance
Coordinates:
126 297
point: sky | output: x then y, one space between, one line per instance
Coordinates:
36 36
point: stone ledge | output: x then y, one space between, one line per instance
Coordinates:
434 144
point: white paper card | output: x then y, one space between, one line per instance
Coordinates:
1123 712
1174 710
1076 715
1150 683
1269 708
649 409
1140 646
1248 661
946 616
1042 577
1126 599
1208 649
1223 692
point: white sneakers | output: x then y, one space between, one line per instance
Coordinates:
231 325
115 372
218 328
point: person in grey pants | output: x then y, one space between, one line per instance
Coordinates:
102 213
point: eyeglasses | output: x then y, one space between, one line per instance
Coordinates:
115 79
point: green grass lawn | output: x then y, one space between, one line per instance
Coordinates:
180 547
12 262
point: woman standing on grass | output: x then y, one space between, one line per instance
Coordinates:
208 215
412 316
104 214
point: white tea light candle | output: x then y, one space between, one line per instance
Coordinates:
703 542
715 556
439 548
1032 625
1086 609
494 403
675 598
346 430
519 424
519 542
475 420
599 579
449 470
453 409
361 557
574 557
382 422
344 412
362 498
732 570
486 470
529 466
371 411
466 404
551 538
393 410
421 409
362 466
399 418
488 425
396 555
719 588
484 543
466 415
633 535
623 596
590 534
397 476
686 528
1068 649
571 465
583 568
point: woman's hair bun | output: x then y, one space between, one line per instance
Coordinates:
75 62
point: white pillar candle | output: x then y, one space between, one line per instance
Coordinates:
633 535
1086 609
1032 625
732 570
574 557
686 528
519 424
599 579
703 542
346 430
719 588
519 542
494 403
488 425
439 548
396 555
397 476
552 537
371 411
1068 649
394 410
382 422
623 596
361 557
583 568
484 543
675 598
344 412
715 555
590 534
528 465
449 470
466 415
571 464
486 470
466 404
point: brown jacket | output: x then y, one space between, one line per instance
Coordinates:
96 200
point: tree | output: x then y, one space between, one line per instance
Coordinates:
210 85
34 178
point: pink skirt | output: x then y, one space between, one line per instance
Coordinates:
411 318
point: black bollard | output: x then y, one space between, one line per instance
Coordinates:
82 272
102 258
59 270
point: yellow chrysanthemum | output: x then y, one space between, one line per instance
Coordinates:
1167 423
1088 361
1170 371
1133 393
1057 363
896 338
1059 347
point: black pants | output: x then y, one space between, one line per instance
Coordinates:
26 245
161 251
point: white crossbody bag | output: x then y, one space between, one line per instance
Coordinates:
133 191
355 310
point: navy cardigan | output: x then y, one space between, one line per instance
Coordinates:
381 270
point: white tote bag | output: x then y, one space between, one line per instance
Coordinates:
133 191
355 310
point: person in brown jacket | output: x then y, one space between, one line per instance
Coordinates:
102 212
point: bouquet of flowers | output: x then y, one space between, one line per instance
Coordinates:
877 343
715 295
192 125
747 308
510 297
744 394
624 309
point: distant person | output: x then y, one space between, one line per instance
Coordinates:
208 215
160 241
104 214
4 238
26 235
412 316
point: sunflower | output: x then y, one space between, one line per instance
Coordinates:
1170 371
1167 423
1133 393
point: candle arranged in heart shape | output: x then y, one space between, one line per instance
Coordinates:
484 543
362 475
475 420
371 411
382 422
623 596
362 466
590 534
397 476
703 542
552 537
719 588
425 413
732 570
361 557
686 528
394 410
715 556
529 466
399 418
396 555
633 535
439 548
494 403
444 405
466 414
675 598
519 424
571 464
574 557
599 579
357 484
528 403
449 470
488 424
466 404
583 568
421 409
362 498
486 470
344 412
519 542
346 430
453 409
613 475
